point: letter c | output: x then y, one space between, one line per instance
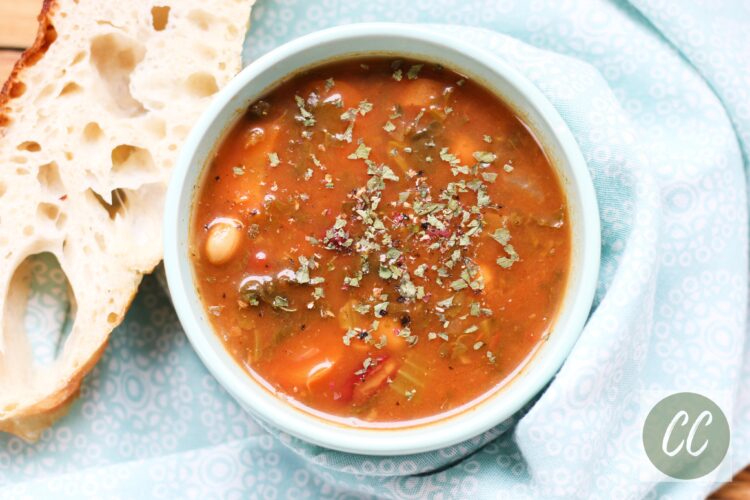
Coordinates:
680 415
704 415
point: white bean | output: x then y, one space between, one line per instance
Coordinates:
223 241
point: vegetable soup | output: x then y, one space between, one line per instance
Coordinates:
380 241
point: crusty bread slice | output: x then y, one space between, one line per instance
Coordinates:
91 121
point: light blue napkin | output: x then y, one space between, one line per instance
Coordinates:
658 96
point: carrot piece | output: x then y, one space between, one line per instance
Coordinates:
464 146
420 92
488 274
389 327
311 368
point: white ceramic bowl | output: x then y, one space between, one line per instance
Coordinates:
418 43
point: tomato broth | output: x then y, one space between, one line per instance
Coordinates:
380 240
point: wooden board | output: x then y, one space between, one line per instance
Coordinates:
17 30
18 23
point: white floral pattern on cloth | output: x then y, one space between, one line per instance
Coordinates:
657 97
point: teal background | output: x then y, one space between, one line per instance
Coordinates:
658 96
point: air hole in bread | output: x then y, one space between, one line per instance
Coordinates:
45 92
156 126
48 210
202 84
100 242
20 160
112 318
39 285
22 171
92 132
28 230
61 220
206 52
201 19
3 188
68 155
118 204
17 89
131 160
30 146
159 17
49 177
78 58
70 88
115 56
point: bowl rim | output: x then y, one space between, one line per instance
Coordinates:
434 435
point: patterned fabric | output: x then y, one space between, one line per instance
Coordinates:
658 96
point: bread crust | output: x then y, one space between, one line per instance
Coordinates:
45 36
29 423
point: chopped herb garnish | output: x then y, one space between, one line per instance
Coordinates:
273 159
281 303
238 170
362 308
448 157
446 303
364 107
362 152
304 116
389 127
475 309
413 72
501 235
381 309
484 156
506 262
459 284
420 270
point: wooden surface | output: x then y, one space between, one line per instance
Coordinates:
18 22
17 31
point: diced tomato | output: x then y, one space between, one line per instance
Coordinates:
374 381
